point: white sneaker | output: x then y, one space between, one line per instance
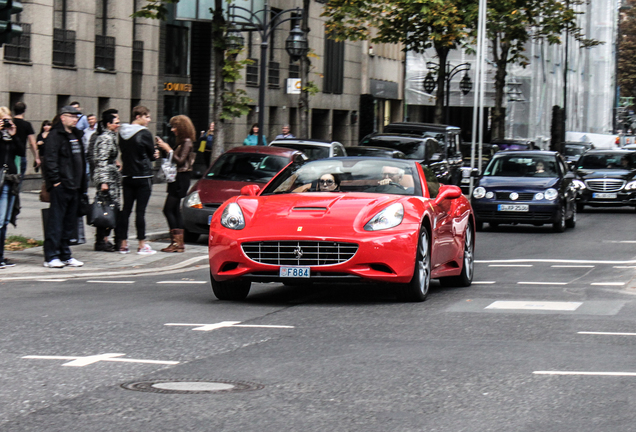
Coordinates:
146 250
54 263
72 262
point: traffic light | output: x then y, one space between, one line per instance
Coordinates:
8 29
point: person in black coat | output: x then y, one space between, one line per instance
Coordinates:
65 177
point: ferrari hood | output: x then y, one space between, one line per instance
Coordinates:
312 213
518 182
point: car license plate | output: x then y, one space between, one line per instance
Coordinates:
604 195
514 207
294 272
210 219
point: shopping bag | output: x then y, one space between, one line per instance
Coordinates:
169 169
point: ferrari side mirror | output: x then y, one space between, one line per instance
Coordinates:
447 192
250 190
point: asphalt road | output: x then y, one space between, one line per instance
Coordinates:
545 340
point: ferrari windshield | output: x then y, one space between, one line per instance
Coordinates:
386 176
246 167
526 165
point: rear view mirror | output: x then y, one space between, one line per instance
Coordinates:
250 190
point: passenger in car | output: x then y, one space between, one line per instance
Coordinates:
329 183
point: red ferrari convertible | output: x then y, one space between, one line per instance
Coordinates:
344 219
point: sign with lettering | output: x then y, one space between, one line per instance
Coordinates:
293 86
177 87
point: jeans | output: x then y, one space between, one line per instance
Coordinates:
61 224
135 189
6 208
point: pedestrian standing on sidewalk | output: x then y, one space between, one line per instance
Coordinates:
105 172
65 176
183 156
252 137
10 147
27 136
207 144
137 148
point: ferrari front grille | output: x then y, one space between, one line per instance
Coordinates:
299 253
605 185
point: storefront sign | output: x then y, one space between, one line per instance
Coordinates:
177 87
294 86
384 89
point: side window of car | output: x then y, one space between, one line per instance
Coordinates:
431 181
562 167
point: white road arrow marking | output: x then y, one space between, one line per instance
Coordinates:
224 324
88 360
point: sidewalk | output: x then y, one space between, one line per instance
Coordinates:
29 262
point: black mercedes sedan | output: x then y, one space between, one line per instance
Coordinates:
526 187
606 178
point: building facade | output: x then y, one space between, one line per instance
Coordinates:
92 52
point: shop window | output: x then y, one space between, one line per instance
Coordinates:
176 50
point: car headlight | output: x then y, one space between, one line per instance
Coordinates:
232 217
388 218
539 196
193 200
630 186
578 184
551 194
490 195
479 192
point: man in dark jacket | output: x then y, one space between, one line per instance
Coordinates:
137 146
65 177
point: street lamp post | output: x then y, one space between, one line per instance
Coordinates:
296 44
465 85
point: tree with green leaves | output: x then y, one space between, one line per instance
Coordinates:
627 51
511 24
416 24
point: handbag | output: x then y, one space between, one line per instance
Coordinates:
45 195
169 169
103 212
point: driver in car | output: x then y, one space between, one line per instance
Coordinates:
392 177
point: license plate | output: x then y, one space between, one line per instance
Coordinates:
294 272
210 219
604 195
514 207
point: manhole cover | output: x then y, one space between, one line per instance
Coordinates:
190 386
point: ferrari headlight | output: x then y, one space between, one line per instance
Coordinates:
479 192
388 218
232 217
578 184
551 194
630 186
193 200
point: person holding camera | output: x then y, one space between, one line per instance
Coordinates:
10 147
65 176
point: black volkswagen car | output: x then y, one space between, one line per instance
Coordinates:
606 178
526 187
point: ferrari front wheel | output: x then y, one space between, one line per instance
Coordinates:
465 278
230 290
417 289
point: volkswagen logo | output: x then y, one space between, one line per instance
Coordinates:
514 196
298 252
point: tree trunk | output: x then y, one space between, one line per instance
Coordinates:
498 115
218 60
442 55
305 63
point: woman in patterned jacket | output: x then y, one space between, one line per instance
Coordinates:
105 170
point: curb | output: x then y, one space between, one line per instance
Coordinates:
132 272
